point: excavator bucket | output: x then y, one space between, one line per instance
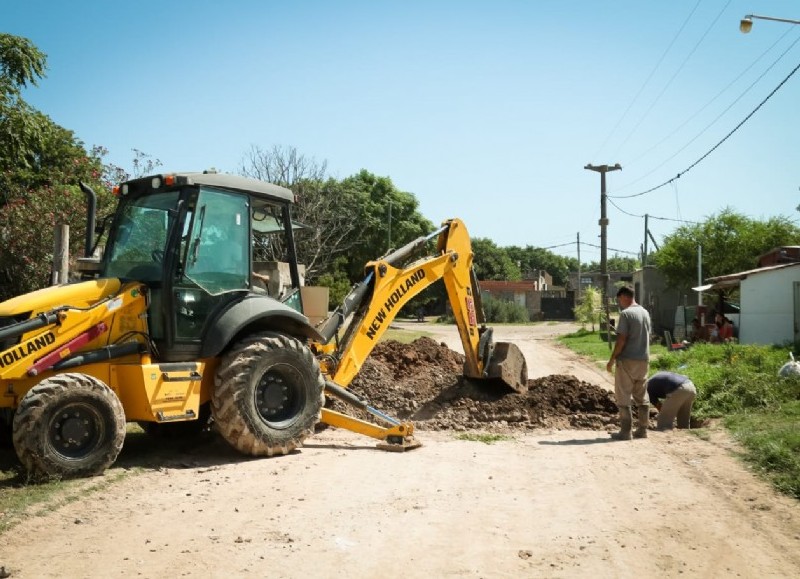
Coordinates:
508 365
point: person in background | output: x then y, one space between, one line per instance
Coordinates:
632 357
698 332
713 330
678 394
722 331
725 330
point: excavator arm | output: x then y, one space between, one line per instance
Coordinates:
371 306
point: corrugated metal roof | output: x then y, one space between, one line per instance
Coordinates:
733 279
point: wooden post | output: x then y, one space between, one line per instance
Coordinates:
61 255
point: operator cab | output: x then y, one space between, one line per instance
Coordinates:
190 238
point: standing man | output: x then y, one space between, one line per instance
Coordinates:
678 394
632 357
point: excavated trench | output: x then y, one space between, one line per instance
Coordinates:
423 382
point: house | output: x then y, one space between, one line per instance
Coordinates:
595 279
509 291
769 300
659 299
537 295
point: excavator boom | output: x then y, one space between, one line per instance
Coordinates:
389 284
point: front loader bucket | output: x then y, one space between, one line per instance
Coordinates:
508 365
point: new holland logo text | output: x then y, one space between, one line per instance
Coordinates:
393 300
25 350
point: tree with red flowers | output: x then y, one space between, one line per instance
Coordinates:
41 164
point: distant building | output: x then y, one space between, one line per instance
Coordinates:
769 306
595 279
537 295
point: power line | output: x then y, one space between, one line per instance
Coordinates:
611 248
561 245
669 82
652 216
720 115
590 245
714 148
647 80
719 94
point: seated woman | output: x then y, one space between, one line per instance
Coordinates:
726 330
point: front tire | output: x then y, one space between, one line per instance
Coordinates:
70 425
268 395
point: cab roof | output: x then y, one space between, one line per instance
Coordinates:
255 187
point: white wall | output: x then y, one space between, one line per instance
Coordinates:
767 307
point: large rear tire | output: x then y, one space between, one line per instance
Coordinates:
70 425
268 395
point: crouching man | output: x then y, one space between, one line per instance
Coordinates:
678 394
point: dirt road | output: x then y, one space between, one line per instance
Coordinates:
549 504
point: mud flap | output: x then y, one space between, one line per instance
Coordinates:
508 365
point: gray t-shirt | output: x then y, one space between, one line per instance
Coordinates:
634 322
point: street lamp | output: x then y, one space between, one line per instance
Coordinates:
747 22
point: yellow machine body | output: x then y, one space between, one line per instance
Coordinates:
95 315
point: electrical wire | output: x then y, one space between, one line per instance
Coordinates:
651 216
677 200
719 116
705 106
647 80
714 148
590 245
669 82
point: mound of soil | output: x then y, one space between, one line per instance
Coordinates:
423 382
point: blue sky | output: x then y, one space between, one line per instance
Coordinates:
486 111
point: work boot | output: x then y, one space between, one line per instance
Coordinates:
643 419
625 421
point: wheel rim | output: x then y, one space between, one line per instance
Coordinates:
75 430
279 396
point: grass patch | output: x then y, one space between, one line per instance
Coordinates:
772 443
404 336
594 345
741 385
20 498
483 437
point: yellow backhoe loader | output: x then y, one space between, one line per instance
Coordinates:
170 328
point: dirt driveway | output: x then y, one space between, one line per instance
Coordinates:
564 503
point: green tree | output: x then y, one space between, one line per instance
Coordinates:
616 263
347 222
386 219
323 207
589 310
41 164
730 243
492 262
533 259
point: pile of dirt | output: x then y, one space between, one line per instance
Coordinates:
423 382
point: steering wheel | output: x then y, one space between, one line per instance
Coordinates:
157 255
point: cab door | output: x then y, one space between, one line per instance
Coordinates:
213 268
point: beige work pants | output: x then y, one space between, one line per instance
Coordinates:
629 382
677 404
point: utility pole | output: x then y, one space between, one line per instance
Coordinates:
603 169
644 252
699 274
389 234
578 297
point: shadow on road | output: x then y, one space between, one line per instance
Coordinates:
577 441
143 451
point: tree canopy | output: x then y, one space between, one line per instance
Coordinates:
730 242
41 164
616 262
